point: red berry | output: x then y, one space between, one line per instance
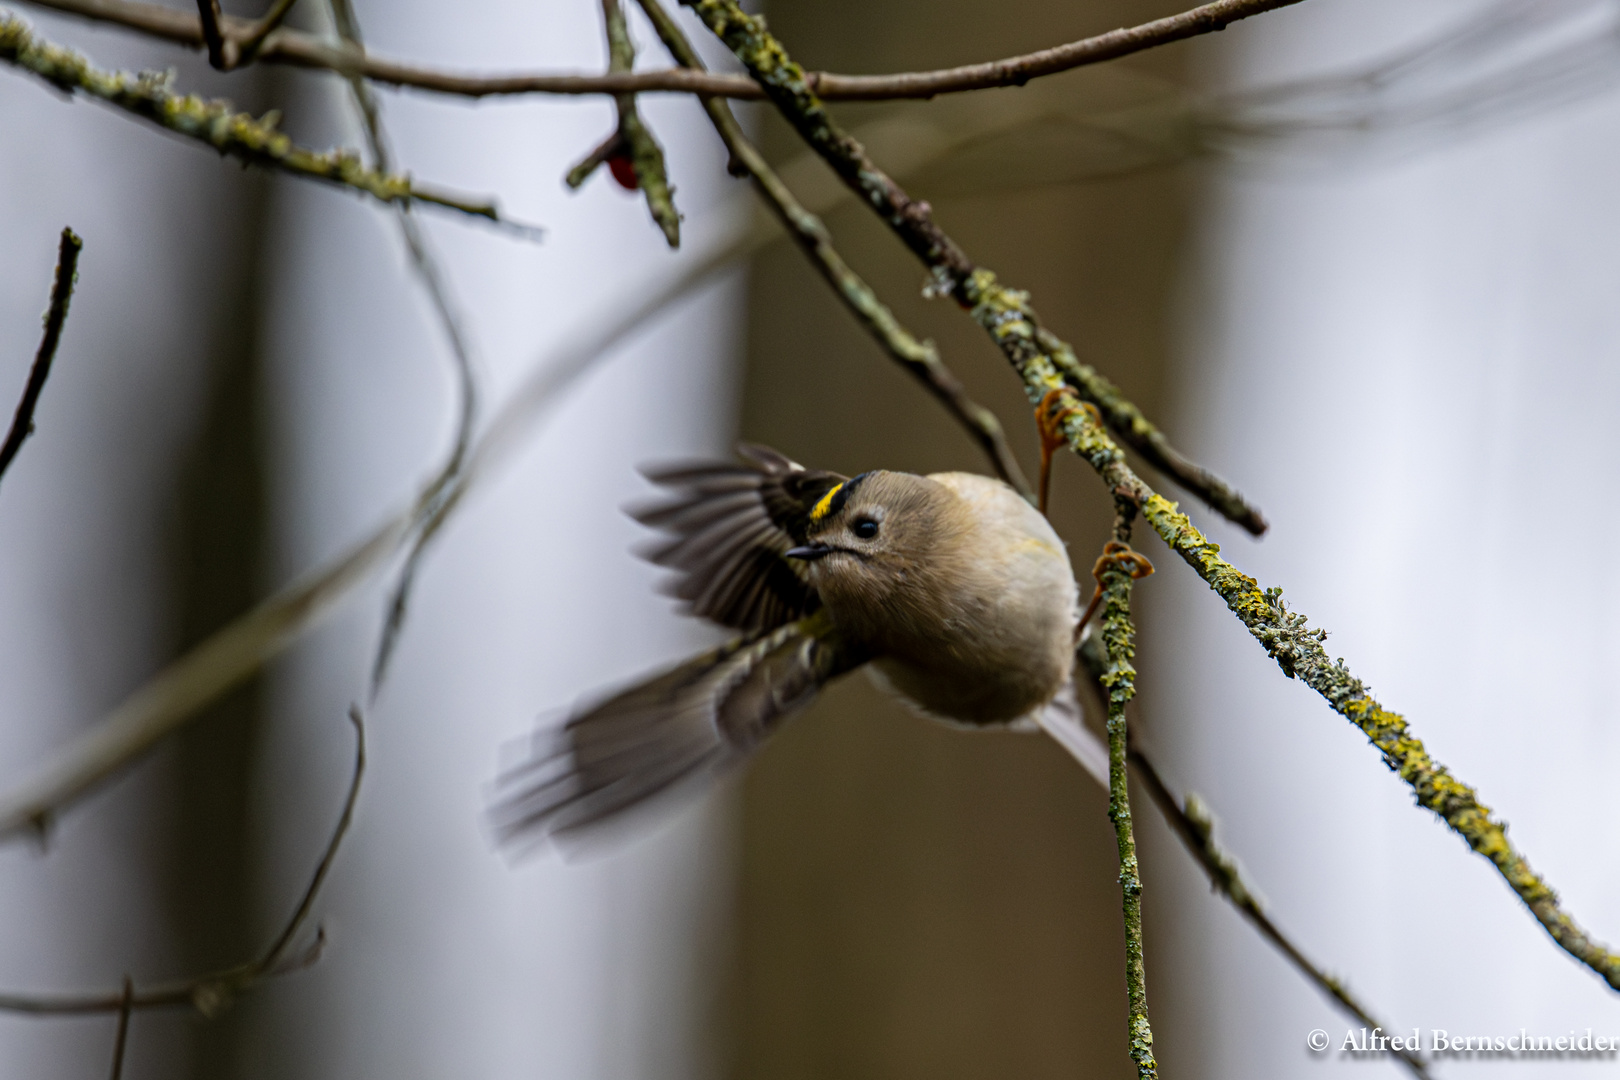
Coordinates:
624 171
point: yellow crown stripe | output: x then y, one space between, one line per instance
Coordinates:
821 508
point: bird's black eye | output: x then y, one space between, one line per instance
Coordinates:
865 528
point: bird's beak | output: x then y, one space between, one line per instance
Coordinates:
809 552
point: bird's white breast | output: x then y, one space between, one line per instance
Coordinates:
1005 639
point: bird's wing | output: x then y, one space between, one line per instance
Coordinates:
704 715
729 528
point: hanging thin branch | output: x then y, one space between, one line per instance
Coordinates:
67 273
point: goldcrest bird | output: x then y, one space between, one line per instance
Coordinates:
951 589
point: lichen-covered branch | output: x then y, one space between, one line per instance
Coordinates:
1297 648
210 994
1193 823
921 358
1115 572
214 122
293 47
1142 435
1005 313
22 421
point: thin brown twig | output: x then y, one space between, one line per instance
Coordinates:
230 47
208 16
121 1040
252 40
293 47
609 147
920 358
436 285
211 993
67 273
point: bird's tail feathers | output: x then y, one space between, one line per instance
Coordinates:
665 733
1064 719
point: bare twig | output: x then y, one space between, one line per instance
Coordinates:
921 358
1003 312
121 1040
151 97
292 47
249 42
210 994
608 148
434 282
22 422
231 46
209 15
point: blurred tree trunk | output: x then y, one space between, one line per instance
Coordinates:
219 555
130 527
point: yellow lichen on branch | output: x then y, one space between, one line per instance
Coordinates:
1297 648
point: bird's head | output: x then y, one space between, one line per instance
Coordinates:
869 538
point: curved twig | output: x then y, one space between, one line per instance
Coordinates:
22 422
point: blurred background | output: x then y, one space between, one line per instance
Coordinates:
1357 258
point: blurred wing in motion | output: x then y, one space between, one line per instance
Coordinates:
729 528
703 716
